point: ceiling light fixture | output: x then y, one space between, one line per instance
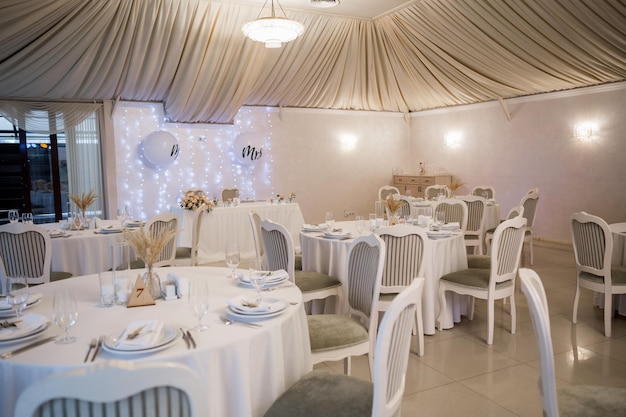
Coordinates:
323 3
273 30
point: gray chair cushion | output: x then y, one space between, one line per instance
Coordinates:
332 331
137 264
618 275
591 401
308 281
59 275
183 252
472 277
479 261
324 394
297 262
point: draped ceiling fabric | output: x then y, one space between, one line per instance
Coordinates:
192 56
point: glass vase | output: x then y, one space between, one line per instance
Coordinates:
153 283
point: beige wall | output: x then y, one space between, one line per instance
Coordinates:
534 149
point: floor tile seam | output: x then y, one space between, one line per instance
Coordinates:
464 384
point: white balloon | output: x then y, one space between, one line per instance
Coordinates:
160 148
248 148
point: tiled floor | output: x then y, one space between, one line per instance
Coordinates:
460 375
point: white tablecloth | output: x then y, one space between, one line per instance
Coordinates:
242 369
225 224
329 256
619 258
84 252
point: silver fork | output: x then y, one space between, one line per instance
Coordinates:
92 346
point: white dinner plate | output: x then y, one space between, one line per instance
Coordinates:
134 223
36 324
169 336
337 235
107 231
439 234
247 317
275 278
277 305
314 227
449 226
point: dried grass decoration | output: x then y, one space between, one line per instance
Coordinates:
455 185
148 248
393 206
82 201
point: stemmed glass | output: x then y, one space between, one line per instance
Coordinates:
330 220
27 218
258 275
199 302
17 297
14 216
122 216
65 313
232 257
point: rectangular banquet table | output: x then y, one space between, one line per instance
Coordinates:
84 252
224 224
329 256
243 370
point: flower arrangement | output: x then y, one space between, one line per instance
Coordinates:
282 198
194 199
83 201
455 185
392 204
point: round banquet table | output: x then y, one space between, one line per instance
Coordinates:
618 257
329 256
243 369
84 252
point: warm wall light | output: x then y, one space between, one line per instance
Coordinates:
453 139
348 142
585 131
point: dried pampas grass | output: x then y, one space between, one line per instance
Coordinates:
83 200
392 204
146 246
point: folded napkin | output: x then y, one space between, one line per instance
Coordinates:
56 232
148 333
244 304
314 227
424 221
450 226
32 298
337 233
273 276
24 326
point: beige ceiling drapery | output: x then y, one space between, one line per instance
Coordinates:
192 56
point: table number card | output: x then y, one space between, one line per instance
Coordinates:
139 296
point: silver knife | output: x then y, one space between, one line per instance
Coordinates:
7 355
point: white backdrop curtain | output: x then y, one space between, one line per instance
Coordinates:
192 56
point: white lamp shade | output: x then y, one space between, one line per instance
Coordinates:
272 31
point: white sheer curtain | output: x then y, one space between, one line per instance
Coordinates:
192 56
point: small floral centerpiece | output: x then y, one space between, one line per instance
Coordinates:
193 199
148 248
82 201
288 198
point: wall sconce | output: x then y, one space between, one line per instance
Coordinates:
453 139
585 131
348 142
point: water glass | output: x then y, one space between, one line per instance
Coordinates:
257 274
121 271
27 218
65 313
14 216
107 289
330 220
233 257
372 219
440 217
360 224
17 294
198 301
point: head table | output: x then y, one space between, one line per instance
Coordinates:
243 369
329 256
231 224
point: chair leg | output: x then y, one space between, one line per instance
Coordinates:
420 330
472 301
575 309
490 321
513 313
531 250
608 313
347 365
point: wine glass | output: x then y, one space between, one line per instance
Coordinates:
17 294
330 220
258 275
232 257
359 224
27 218
122 216
65 313
440 218
14 216
198 300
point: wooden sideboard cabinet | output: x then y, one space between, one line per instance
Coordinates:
416 184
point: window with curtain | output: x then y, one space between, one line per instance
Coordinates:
48 151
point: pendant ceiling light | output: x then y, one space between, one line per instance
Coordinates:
273 30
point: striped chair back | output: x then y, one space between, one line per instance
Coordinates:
278 248
25 250
156 226
366 256
506 250
405 251
454 210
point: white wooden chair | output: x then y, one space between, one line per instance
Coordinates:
386 190
116 388
255 224
229 193
490 284
475 229
455 211
279 254
335 337
155 226
529 202
321 393
479 191
189 255
593 248
569 401
25 250
514 212
406 248
432 192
